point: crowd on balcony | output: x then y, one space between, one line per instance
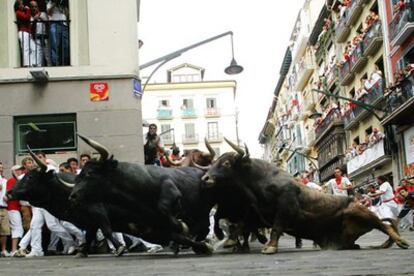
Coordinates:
400 6
359 148
350 47
402 89
367 86
43 32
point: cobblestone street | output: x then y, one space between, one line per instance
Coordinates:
289 261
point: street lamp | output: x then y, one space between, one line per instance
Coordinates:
232 69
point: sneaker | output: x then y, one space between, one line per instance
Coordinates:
34 254
71 250
20 253
155 249
5 254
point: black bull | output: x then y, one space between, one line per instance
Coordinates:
290 207
157 195
44 190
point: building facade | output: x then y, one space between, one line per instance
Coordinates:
84 83
187 109
339 88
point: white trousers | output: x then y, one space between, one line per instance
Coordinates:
75 231
40 216
16 224
26 42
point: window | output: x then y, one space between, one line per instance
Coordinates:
164 103
165 134
212 130
49 133
186 77
211 103
368 131
190 130
217 151
188 104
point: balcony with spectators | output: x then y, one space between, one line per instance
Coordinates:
402 24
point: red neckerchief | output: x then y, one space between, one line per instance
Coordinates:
338 180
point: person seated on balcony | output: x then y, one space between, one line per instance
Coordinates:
23 15
38 20
360 93
407 82
376 136
376 75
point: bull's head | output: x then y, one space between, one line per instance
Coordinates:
33 186
228 166
93 180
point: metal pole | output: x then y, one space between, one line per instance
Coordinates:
179 52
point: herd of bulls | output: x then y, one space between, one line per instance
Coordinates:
171 206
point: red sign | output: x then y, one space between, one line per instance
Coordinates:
99 91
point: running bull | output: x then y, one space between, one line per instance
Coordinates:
45 189
159 195
277 200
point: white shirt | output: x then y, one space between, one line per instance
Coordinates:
335 189
3 186
314 186
387 189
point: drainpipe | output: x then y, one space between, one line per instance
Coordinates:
384 25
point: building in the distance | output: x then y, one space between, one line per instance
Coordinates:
188 109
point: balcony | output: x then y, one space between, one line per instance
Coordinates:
190 139
58 51
345 75
164 114
300 39
358 60
331 153
218 138
349 18
331 76
402 25
371 157
374 97
323 45
400 104
188 113
212 112
304 70
333 117
373 40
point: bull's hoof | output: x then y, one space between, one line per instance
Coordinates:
203 249
241 249
387 244
262 238
121 250
403 244
268 250
81 255
230 243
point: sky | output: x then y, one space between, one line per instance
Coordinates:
261 28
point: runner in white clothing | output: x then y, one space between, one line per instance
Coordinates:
388 207
340 184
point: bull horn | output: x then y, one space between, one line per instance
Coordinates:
41 165
204 168
210 149
247 151
98 147
173 162
67 184
236 148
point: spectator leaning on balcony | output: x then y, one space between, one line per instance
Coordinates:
399 6
59 31
39 19
23 16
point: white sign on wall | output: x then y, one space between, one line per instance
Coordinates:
409 145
